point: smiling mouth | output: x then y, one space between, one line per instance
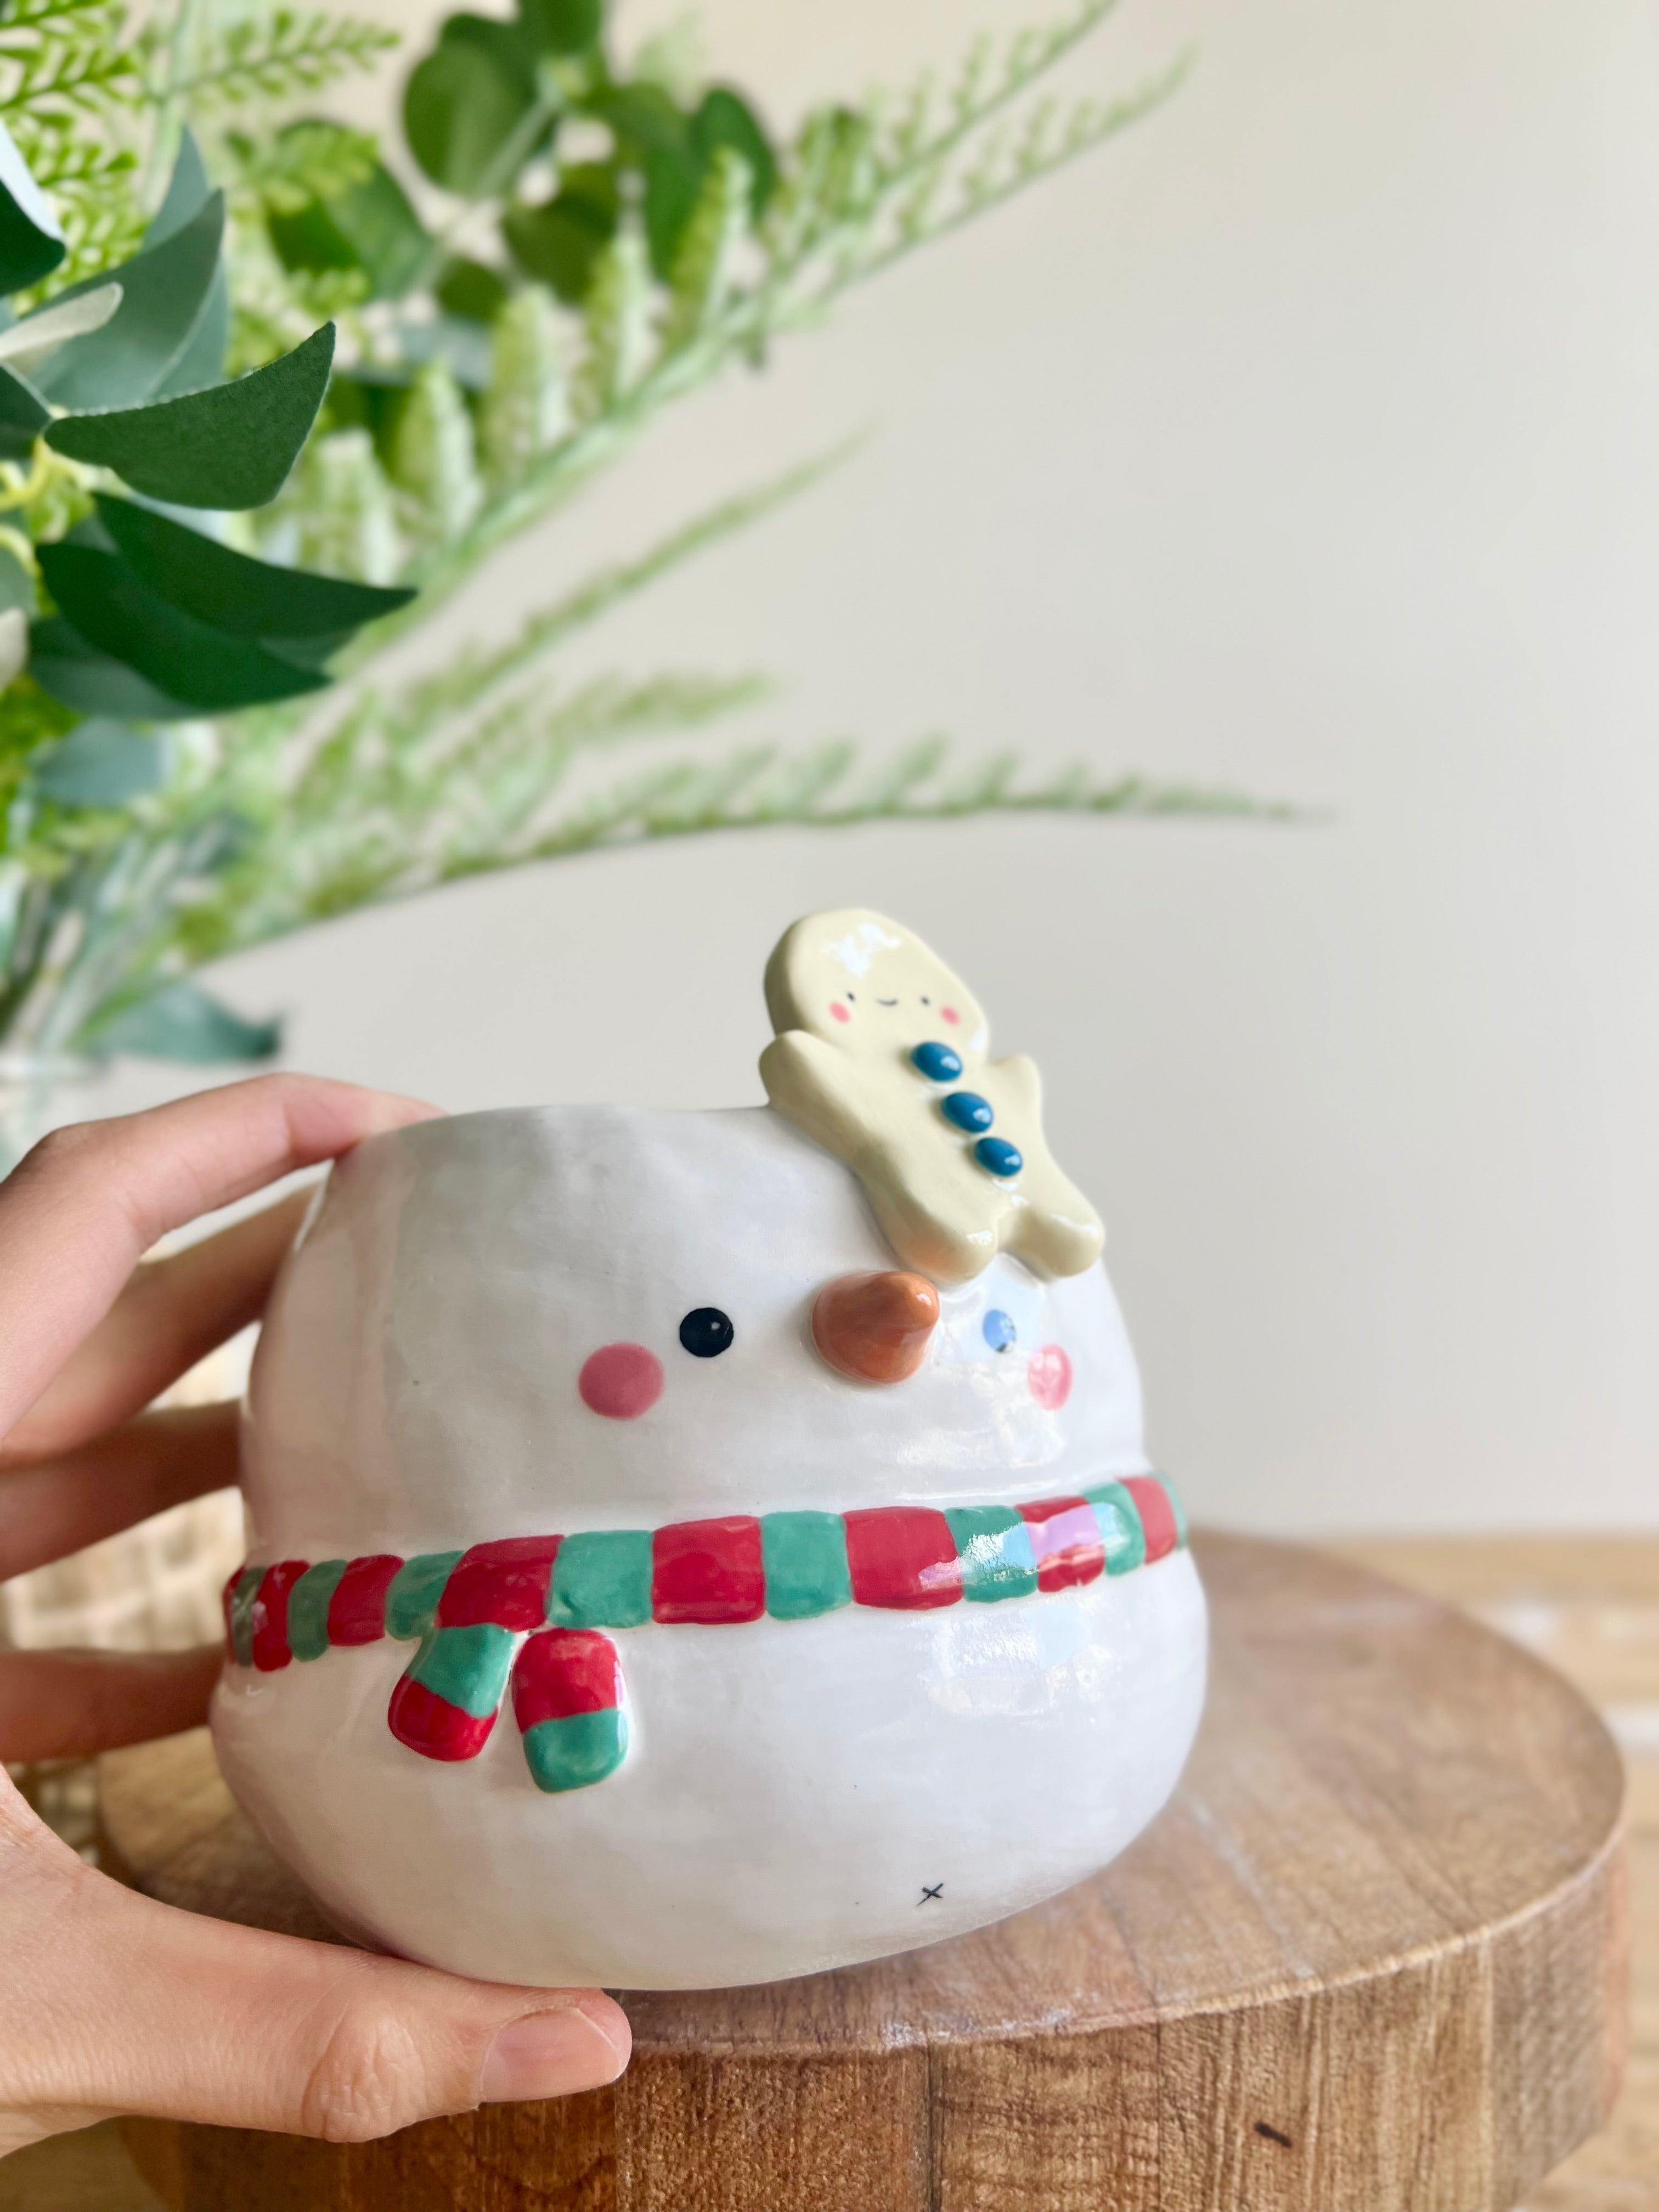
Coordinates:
887 1002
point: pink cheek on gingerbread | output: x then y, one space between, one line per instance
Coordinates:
1049 1375
621 1381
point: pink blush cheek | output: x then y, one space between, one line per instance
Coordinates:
950 1014
839 1010
1050 1376
621 1381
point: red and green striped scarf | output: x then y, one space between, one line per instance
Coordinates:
532 1611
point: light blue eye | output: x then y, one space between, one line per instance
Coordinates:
999 1331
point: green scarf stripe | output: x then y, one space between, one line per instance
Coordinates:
602 1580
307 1608
467 1666
995 1548
412 1603
1121 1531
575 1752
805 1558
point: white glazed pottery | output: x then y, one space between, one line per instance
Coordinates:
653 1584
792 1788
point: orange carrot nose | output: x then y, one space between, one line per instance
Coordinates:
875 1328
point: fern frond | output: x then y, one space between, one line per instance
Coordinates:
616 315
276 56
384 808
474 673
95 188
858 190
1000 175
69 58
281 174
525 408
818 790
424 812
704 266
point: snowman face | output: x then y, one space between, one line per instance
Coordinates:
597 1317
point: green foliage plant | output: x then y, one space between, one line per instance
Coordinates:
562 247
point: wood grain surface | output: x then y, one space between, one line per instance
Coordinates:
1371 1958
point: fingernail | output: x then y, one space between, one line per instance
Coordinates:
549 2054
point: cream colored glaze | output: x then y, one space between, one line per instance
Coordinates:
852 994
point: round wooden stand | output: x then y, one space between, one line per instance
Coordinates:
1370 1960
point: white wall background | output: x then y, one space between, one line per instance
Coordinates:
1307 440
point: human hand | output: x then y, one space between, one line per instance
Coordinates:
109 2003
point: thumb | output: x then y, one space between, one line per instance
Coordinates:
112 2002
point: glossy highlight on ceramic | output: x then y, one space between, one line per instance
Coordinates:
470 1609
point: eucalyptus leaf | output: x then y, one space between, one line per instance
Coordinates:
642 115
203 361
30 242
559 243
675 172
229 448
369 225
725 118
507 44
472 291
377 219
23 416
27 344
164 292
207 668
75 673
188 190
461 106
673 181
462 346
101 763
233 591
14 644
181 1021
16 584
563 27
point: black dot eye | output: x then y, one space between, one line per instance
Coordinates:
706 1331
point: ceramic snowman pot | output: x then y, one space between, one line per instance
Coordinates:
696 1548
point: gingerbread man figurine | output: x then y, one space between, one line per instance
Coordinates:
880 1056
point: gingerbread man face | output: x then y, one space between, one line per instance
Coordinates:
861 983
881 1057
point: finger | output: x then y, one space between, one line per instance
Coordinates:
89 1200
64 1504
172 1313
72 1704
131 2006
